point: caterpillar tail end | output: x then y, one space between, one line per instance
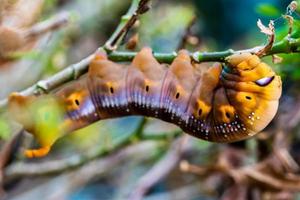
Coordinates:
36 153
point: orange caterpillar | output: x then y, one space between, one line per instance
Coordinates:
224 103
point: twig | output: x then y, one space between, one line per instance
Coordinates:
48 25
6 155
261 173
159 170
187 33
74 71
81 176
271 181
44 86
284 46
137 8
104 165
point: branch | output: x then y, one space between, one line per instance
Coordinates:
74 71
44 86
101 167
92 170
160 169
56 166
261 173
137 8
48 25
285 46
6 156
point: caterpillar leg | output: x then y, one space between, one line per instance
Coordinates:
33 153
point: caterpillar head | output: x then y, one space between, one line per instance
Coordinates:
253 88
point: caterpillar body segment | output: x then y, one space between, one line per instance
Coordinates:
223 103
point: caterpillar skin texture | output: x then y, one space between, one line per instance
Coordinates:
219 104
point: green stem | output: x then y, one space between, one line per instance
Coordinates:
284 46
118 56
287 45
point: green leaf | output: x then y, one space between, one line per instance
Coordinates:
268 10
4 129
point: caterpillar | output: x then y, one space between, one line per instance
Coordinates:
222 103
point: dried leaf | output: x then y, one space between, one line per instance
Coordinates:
266 30
270 32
